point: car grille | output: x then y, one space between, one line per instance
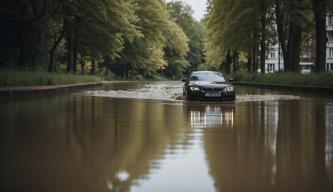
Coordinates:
210 89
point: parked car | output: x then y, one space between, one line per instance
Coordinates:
208 85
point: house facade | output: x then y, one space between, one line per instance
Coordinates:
274 60
329 49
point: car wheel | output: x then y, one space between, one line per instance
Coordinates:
187 96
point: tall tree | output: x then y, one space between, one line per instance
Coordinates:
293 19
236 25
320 10
145 55
98 28
281 15
264 6
295 35
24 34
194 31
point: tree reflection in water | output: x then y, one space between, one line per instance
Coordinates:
274 146
79 143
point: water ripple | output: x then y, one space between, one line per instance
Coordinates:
172 91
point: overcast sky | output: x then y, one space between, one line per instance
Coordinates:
198 6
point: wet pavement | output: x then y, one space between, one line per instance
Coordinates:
142 137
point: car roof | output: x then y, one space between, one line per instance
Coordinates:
196 72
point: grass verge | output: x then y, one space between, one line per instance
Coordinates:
285 78
24 78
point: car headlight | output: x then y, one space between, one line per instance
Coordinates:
195 88
229 88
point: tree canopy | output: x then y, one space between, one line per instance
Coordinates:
125 37
148 38
250 27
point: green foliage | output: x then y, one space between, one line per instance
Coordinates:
26 78
107 25
287 78
236 27
128 37
231 25
193 30
244 76
149 53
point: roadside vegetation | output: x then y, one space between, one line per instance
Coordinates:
240 33
157 39
115 39
25 78
286 78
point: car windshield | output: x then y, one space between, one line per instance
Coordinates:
217 77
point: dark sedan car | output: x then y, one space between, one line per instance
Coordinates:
208 85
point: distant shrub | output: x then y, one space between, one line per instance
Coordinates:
24 78
287 78
244 76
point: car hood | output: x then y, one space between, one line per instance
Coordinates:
209 84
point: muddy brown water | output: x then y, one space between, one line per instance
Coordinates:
141 137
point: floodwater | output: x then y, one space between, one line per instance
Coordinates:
143 137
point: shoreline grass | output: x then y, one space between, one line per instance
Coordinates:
25 78
286 78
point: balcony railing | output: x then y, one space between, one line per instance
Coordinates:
329 44
329 27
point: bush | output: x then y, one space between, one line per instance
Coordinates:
244 76
287 78
24 78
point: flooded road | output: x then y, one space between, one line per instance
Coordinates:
143 137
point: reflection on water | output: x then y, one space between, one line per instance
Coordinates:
85 143
79 143
276 146
203 115
329 134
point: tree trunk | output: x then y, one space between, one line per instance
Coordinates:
263 21
235 61
93 66
82 64
69 46
319 7
75 46
228 61
294 41
254 54
280 30
51 66
249 62
21 45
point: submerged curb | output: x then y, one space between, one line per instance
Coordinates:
313 89
44 90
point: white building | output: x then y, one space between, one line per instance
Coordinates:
329 49
274 61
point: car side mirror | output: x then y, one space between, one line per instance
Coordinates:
231 79
184 80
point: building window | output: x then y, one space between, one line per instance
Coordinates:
330 20
273 55
330 35
270 67
330 53
329 66
306 67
